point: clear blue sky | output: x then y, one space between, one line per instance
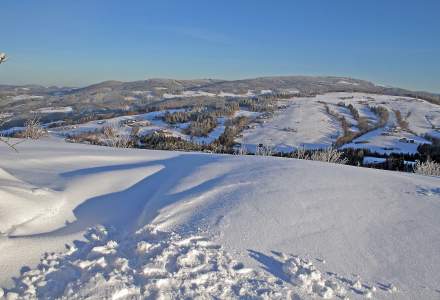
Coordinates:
79 42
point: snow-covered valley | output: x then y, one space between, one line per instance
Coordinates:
143 223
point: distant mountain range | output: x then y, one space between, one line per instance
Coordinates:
304 84
19 101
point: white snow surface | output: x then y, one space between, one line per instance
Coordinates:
156 224
26 97
184 94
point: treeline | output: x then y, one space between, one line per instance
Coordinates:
162 141
233 128
430 151
200 112
263 103
392 162
363 124
201 126
347 134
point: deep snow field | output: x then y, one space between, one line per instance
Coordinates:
80 221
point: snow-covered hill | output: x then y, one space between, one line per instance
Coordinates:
173 224
305 123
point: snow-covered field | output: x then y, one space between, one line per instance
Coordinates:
384 142
220 94
26 97
151 224
51 110
152 122
305 123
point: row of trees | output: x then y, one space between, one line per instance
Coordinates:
363 124
400 120
382 114
232 130
347 134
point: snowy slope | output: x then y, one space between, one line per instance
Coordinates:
305 123
184 224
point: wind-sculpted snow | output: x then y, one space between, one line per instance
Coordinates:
183 225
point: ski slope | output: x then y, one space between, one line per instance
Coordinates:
152 224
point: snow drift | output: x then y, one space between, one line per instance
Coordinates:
141 224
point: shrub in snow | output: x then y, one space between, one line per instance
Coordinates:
301 153
109 132
241 150
429 168
264 150
33 129
330 155
114 139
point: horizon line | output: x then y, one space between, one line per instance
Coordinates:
219 79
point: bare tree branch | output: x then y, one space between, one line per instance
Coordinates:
9 144
3 58
6 141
